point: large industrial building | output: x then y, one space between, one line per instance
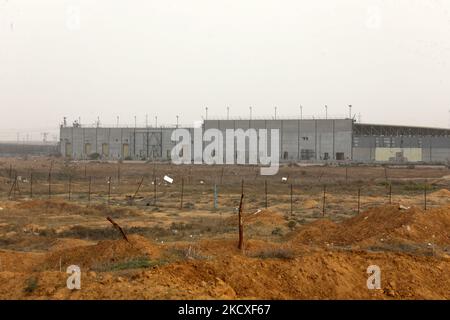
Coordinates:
308 140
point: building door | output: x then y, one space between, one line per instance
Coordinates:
69 150
340 156
125 150
87 149
105 150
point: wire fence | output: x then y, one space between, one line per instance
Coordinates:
218 189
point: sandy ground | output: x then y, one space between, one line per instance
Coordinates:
319 260
191 252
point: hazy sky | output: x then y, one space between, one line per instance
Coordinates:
389 59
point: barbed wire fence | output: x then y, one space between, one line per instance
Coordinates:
218 189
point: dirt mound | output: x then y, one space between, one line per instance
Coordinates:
441 193
310 204
68 243
102 254
265 216
382 225
260 217
48 204
18 261
317 275
316 232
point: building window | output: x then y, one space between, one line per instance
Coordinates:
340 156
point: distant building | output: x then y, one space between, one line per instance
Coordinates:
20 149
306 140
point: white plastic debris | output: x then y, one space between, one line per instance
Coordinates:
284 179
202 182
401 207
168 179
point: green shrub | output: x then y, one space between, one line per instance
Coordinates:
94 156
31 285
279 253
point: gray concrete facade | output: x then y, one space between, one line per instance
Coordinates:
116 143
300 140
307 140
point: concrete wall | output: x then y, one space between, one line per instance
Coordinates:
414 148
140 143
300 139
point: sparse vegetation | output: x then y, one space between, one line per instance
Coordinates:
136 263
31 285
192 251
278 253
94 156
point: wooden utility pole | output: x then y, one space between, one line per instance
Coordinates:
17 185
425 197
265 190
182 193
215 195
49 185
221 176
154 191
50 181
139 187
359 200
70 188
292 194
31 185
89 191
241 225
109 190
115 225
390 193
12 190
